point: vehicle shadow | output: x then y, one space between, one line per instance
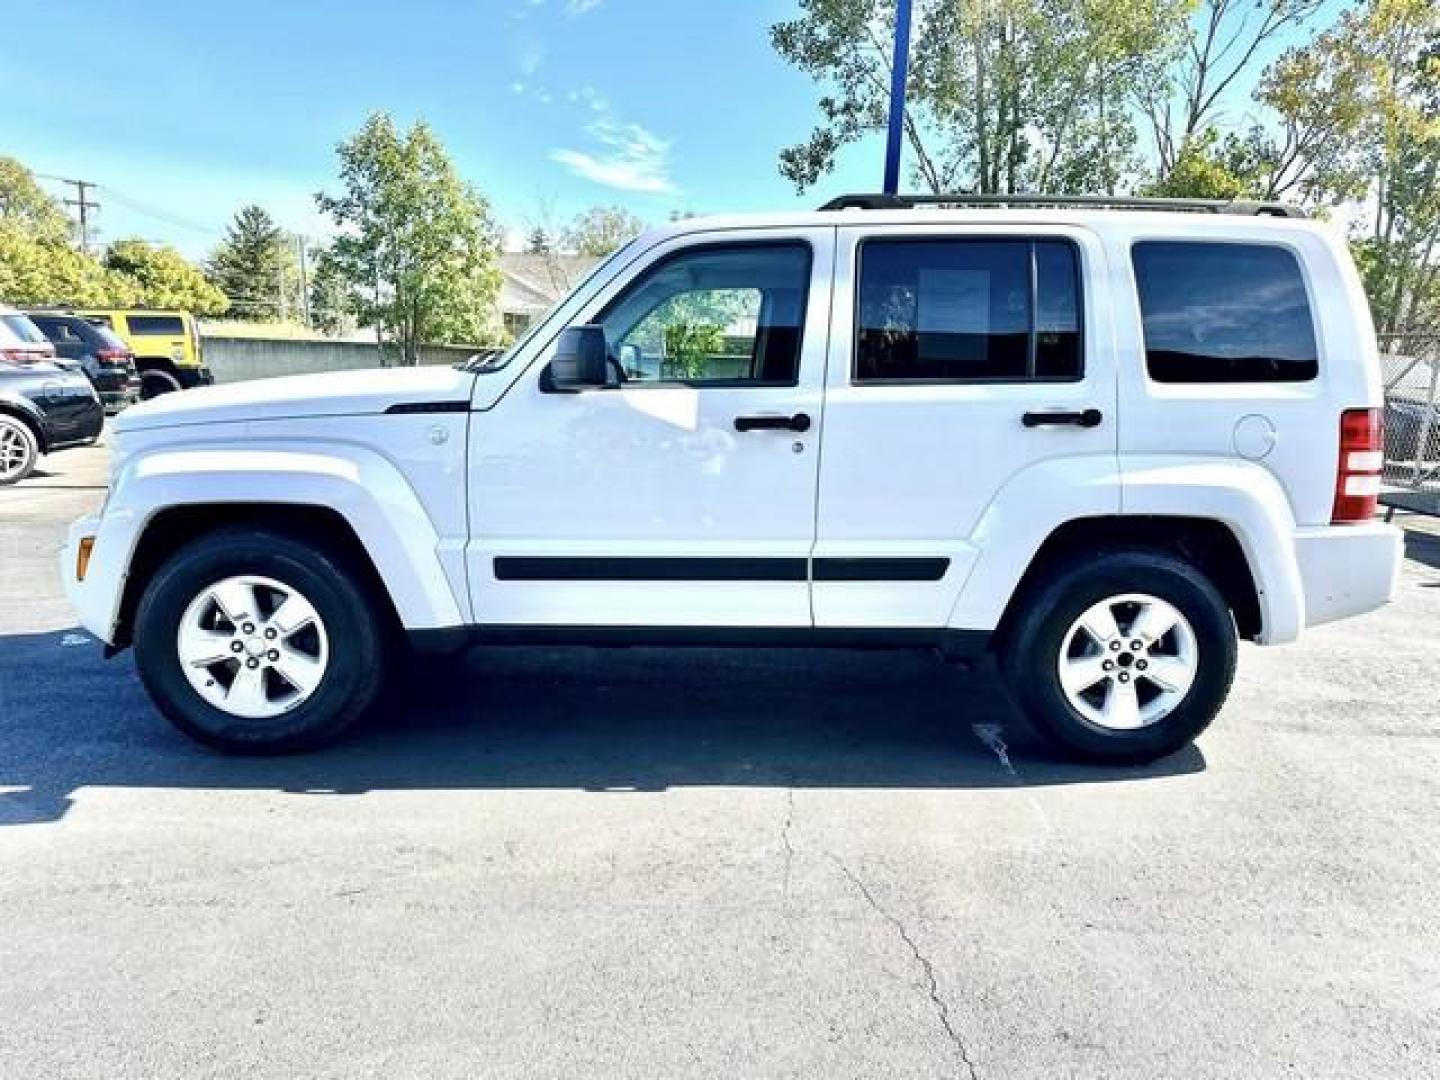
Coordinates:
589 719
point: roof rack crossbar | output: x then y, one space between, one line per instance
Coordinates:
1094 202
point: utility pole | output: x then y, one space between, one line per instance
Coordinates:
899 73
304 281
82 204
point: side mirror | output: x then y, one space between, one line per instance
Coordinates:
581 360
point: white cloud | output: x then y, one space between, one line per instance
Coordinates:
575 8
631 158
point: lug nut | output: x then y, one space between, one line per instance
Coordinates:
1141 664
273 655
270 633
1124 677
235 646
1137 645
1114 646
1108 665
249 628
252 663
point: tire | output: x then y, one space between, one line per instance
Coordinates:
1153 712
19 450
157 381
335 659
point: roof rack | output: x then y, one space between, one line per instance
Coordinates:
1092 202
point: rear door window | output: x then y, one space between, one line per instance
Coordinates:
1224 313
968 311
156 325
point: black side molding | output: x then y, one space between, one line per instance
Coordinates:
880 569
410 408
561 568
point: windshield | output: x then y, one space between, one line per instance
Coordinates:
485 364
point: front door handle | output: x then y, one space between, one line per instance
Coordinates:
798 422
1086 418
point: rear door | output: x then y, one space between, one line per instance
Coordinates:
961 355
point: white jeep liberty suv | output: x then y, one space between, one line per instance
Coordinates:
1103 440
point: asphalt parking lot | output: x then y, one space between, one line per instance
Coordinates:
650 863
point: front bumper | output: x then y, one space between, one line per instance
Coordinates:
97 598
1348 569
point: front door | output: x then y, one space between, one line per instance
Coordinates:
962 359
684 494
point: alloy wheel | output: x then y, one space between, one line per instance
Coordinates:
1128 661
253 647
16 450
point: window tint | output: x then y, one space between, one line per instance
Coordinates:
168 325
961 310
727 315
60 331
1224 313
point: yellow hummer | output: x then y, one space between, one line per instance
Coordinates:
166 345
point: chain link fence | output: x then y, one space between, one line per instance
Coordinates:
1410 366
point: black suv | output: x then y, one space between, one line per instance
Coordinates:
106 360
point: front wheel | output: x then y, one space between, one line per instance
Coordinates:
255 642
1125 657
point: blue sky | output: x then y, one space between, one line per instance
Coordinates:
185 111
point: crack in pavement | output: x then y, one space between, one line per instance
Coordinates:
785 841
942 1010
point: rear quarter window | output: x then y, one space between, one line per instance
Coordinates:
156 325
1224 313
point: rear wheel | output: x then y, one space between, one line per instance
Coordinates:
1123 658
19 450
255 642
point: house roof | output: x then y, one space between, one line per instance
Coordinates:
531 284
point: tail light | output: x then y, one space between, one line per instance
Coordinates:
113 356
18 356
1362 458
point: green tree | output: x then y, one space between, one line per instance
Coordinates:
334 306
538 242
255 267
601 230
24 205
36 271
1004 95
1358 111
415 241
163 278
1204 169
1207 53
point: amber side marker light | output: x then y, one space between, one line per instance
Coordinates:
82 556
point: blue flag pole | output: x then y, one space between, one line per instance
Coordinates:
899 72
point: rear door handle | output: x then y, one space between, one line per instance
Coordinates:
798 422
1085 418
